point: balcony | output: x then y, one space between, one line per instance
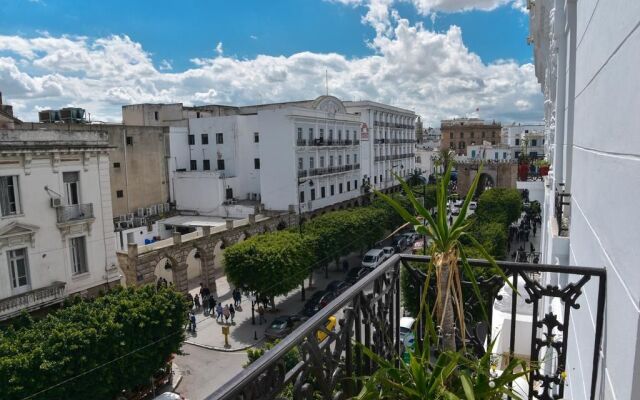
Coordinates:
74 213
369 313
31 300
562 204
302 173
301 142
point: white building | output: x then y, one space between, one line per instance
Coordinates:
488 152
281 155
587 57
518 136
56 229
387 144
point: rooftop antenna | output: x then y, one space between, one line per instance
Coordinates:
326 80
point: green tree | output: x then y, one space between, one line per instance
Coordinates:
271 264
499 205
93 349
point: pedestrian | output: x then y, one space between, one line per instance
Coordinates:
192 322
237 297
534 229
212 304
450 219
219 312
345 265
232 312
227 313
261 314
196 301
190 300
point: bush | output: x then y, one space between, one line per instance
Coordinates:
113 343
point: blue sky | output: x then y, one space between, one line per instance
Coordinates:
181 30
440 58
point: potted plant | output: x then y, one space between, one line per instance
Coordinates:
543 167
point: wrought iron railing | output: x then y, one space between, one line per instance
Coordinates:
32 299
369 313
74 212
560 203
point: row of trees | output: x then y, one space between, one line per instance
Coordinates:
275 263
93 349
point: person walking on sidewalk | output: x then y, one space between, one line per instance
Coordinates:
219 312
227 314
196 301
192 322
232 312
212 303
261 314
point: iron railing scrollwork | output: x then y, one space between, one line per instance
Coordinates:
369 314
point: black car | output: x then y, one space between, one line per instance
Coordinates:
317 302
337 287
355 274
399 243
282 326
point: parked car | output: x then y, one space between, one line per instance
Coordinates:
373 258
317 302
330 325
455 210
337 287
355 274
388 252
411 237
282 326
169 396
406 326
473 205
400 243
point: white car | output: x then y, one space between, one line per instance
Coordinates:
473 205
373 258
406 326
169 396
388 252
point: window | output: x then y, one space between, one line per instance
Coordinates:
313 194
339 135
461 135
375 179
526 131
116 165
517 142
472 134
312 163
348 159
228 193
219 138
484 134
340 188
78 249
206 165
193 165
321 161
331 161
220 165
19 269
348 186
380 178
300 163
129 141
321 134
322 192
340 160
256 136
504 155
355 158
495 156
310 134
191 140
302 196
119 194
534 142
156 115
355 184
493 142
331 191
204 138
299 133
197 114
330 134
450 135
256 163
9 196
71 182
493 134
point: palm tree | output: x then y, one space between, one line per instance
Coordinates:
446 250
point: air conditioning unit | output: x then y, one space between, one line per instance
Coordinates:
56 202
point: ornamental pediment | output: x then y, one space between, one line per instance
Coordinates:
15 233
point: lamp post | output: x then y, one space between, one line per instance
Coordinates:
300 183
253 299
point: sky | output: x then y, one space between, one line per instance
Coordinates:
440 58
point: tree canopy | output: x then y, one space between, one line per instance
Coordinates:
499 205
93 349
271 264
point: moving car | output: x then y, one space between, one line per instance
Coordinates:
355 274
317 302
411 237
282 326
373 258
388 252
400 243
330 325
337 287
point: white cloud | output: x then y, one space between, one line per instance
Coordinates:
165 65
430 72
254 37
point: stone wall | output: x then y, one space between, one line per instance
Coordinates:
502 174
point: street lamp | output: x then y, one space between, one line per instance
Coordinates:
300 183
253 299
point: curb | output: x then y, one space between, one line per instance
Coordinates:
179 376
223 349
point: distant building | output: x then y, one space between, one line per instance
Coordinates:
7 120
56 230
460 133
519 137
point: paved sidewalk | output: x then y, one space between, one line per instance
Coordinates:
243 334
